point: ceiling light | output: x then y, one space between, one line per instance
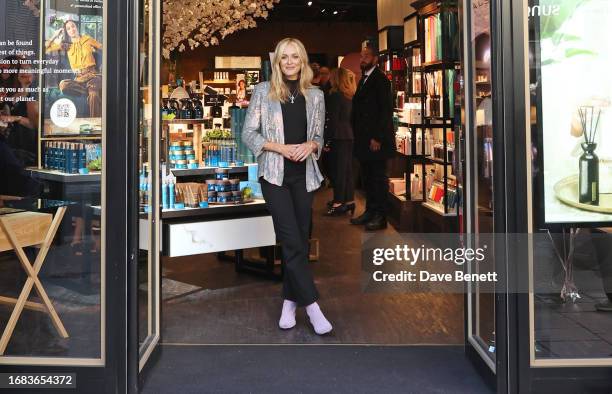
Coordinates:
335 12
323 10
309 3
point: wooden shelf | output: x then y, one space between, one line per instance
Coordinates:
255 206
438 118
435 207
439 161
220 81
61 177
73 137
207 171
414 125
185 121
400 197
438 65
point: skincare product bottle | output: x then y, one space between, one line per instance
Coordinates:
165 198
171 191
589 175
74 158
82 156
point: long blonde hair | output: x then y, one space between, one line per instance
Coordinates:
343 80
278 88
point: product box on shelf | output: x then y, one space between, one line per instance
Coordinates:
253 169
255 188
397 186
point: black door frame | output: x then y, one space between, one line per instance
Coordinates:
135 376
508 28
112 376
524 377
502 56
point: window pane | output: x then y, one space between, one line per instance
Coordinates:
571 91
51 155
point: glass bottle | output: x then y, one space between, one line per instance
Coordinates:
589 175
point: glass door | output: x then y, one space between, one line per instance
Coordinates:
147 159
479 149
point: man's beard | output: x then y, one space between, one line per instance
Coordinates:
366 67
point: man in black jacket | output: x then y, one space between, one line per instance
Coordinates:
372 120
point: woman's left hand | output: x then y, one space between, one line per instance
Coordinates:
303 150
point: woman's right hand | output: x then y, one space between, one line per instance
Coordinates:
287 150
282 149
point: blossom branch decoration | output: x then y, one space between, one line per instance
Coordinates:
191 23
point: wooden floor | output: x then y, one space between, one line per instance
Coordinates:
206 302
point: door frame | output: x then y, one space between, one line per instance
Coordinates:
528 377
508 57
112 375
142 358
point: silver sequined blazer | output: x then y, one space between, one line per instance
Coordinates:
264 122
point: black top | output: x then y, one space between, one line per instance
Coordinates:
339 109
295 125
21 139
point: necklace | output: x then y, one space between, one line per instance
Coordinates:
293 95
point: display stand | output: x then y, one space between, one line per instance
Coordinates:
438 45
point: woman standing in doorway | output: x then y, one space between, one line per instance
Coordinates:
284 130
340 105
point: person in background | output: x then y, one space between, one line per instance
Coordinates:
284 130
316 73
372 120
339 107
325 162
7 80
80 49
14 181
324 75
22 133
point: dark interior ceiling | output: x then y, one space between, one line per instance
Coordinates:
324 11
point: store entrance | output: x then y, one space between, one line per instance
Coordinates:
209 264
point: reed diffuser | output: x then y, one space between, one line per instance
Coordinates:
589 162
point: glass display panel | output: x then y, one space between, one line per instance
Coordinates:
51 182
570 91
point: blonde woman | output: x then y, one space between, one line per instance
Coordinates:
343 87
284 130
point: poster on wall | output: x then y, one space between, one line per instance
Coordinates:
574 99
73 48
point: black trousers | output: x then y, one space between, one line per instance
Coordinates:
342 153
291 208
376 185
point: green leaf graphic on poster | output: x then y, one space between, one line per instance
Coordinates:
550 24
554 15
576 52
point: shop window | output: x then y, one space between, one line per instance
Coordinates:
51 172
571 91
